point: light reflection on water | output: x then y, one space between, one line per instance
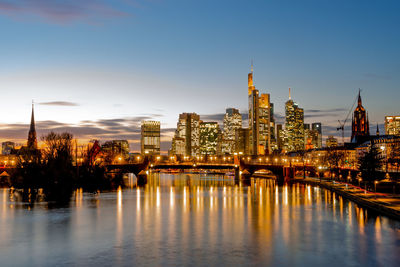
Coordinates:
190 219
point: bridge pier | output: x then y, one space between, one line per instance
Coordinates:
142 178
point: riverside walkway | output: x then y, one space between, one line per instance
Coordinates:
386 204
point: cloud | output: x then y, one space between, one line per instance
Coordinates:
59 103
325 110
127 128
62 11
218 117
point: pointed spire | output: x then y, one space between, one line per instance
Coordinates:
251 65
32 142
32 128
359 98
290 97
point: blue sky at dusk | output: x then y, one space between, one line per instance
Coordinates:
97 68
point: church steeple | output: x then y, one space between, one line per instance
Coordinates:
32 141
360 123
359 98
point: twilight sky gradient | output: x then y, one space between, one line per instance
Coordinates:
97 67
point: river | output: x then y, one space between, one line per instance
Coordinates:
197 220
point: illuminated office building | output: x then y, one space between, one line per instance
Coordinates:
242 141
232 122
294 126
150 137
331 141
259 119
209 138
392 125
317 126
188 129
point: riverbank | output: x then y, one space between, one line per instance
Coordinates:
385 204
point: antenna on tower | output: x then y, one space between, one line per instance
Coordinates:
251 65
290 97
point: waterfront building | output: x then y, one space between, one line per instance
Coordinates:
150 137
32 141
232 122
188 128
209 138
294 126
7 147
360 123
392 125
331 141
259 119
242 141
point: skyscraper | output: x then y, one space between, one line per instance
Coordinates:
259 119
273 142
150 137
232 122
209 137
294 126
188 128
317 141
32 141
242 141
392 125
360 123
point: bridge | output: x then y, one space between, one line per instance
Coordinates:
244 168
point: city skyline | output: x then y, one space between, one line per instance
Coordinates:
89 74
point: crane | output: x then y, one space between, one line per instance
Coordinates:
342 124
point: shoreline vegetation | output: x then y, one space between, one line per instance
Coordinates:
50 174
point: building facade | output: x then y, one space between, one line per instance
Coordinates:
7 147
188 129
150 137
331 141
232 122
242 141
392 125
259 119
294 126
210 134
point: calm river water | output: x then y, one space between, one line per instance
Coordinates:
198 220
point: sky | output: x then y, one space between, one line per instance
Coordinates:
97 68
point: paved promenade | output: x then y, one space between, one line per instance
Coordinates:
386 204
